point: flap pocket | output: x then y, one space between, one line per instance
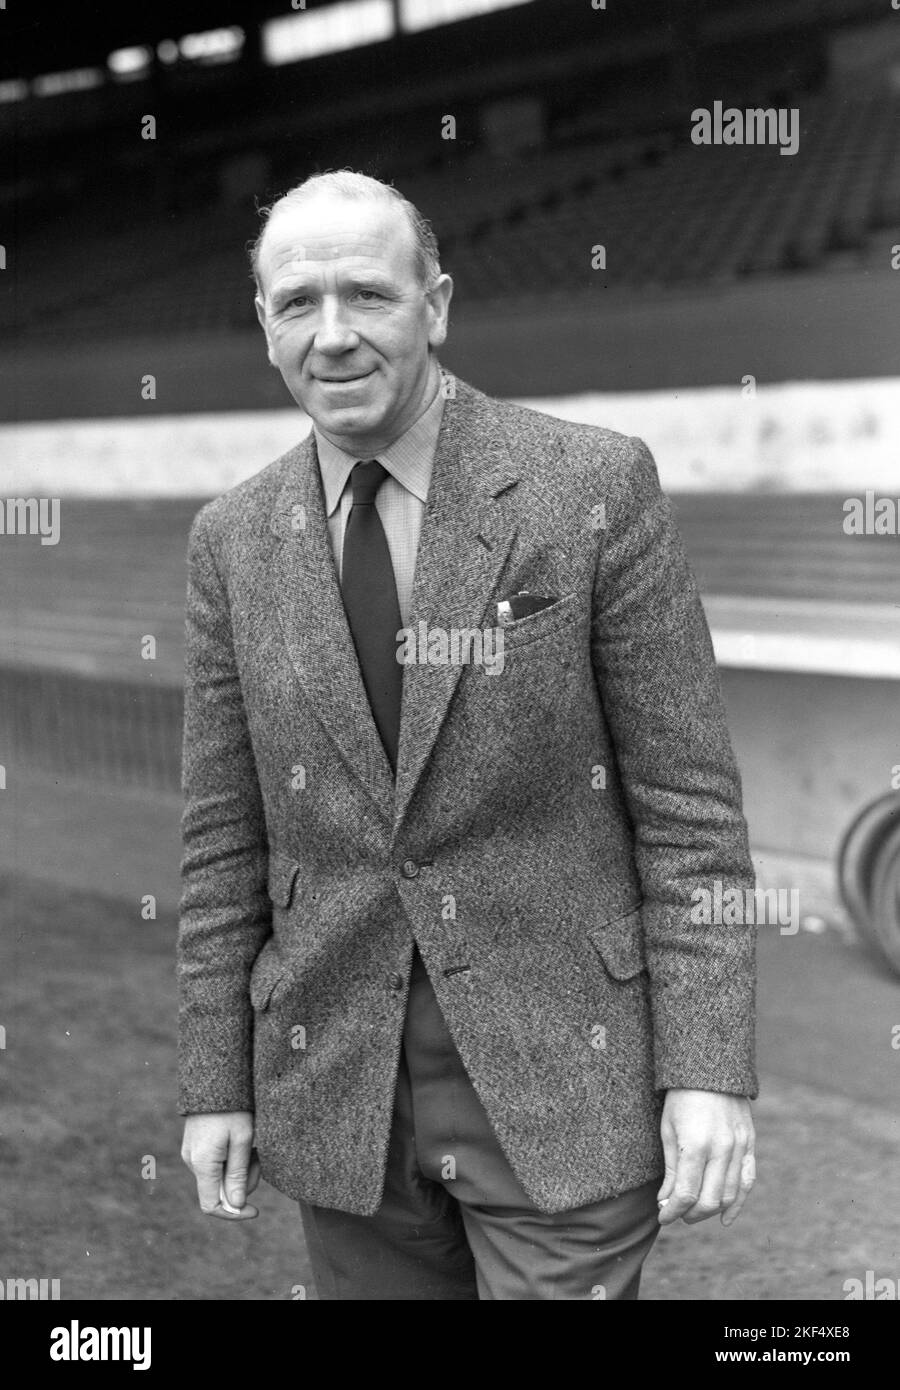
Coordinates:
267 971
621 944
282 872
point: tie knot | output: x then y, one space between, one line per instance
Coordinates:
365 479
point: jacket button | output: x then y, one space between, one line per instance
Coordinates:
410 869
396 982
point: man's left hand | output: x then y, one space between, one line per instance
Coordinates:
708 1142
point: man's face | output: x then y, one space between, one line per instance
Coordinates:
348 323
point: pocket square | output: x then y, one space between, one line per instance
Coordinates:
520 605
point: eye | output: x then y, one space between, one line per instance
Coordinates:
299 301
368 295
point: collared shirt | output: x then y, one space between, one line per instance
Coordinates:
400 501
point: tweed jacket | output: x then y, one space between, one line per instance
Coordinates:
550 823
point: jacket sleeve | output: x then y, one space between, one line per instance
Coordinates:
658 681
225 914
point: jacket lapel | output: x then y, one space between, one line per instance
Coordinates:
314 624
467 531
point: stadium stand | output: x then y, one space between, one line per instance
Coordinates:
667 213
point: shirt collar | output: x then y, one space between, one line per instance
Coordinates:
409 459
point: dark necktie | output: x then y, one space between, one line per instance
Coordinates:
370 599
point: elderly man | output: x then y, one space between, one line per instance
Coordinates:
456 777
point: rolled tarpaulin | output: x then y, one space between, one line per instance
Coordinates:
885 894
869 876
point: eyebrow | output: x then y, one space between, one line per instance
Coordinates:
356 281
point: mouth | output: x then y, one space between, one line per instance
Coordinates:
343 380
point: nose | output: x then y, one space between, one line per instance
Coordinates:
334 334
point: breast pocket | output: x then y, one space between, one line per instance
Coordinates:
555 618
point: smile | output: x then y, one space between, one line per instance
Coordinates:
342 380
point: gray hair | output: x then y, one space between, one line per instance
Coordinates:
350 184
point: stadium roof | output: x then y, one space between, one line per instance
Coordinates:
51 36
48 36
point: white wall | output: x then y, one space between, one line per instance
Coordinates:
815 436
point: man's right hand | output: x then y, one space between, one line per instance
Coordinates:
218 1148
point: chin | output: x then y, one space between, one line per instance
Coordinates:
358 416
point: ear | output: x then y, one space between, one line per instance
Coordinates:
438 300
264 325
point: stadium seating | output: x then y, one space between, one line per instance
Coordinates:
667 212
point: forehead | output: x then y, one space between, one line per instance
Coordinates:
334 232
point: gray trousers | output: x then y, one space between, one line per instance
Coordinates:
454 1221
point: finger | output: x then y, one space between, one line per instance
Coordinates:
246 1213
237 1165
254 1174
208 1176
225 1204
733 1177
225 1209
688 1181
670 1153
748 1178
709 1203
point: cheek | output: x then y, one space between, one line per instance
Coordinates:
401 341
287 338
